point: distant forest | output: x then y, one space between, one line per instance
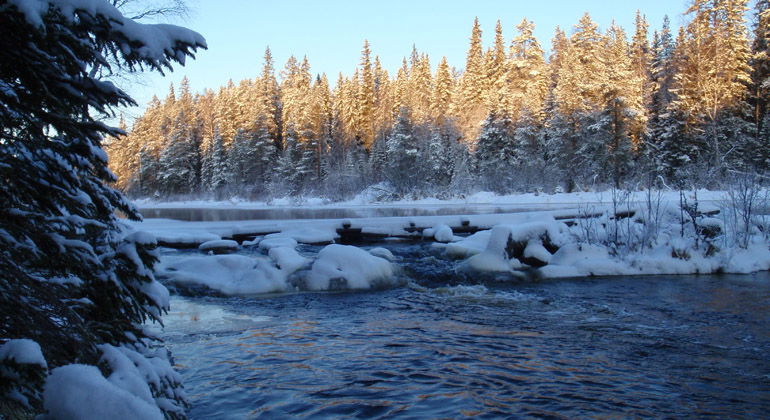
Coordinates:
601 110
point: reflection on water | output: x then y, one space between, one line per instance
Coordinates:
686 346
213 215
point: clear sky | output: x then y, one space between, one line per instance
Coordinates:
331 32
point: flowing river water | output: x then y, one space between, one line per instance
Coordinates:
448 347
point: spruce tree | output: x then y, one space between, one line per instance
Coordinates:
495 152
71 279
402 147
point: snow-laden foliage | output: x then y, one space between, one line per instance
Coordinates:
70 278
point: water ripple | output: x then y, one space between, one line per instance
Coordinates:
652 347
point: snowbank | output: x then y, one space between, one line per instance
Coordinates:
556 251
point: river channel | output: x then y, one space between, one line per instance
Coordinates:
448 347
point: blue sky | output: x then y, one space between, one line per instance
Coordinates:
331 32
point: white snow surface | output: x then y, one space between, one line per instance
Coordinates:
229 274
23 351
80 392
441 233
218 244
288 259
383 253
355 267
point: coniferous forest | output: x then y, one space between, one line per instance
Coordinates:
605 108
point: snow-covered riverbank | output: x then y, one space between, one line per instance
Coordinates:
586 240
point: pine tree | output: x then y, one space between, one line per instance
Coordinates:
403 153
468 104
218 166
441 155
72 280
713 72
641 89
496 90
179 162
442 92
289 171
530 160
760 63
270 97
364 118
495 152
420 86
528 74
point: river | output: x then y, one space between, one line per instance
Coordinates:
445 347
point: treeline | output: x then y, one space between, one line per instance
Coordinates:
601 110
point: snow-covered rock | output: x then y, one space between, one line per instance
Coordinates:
229 274
348 267
271 241
382 253
472 245
287 259
441 233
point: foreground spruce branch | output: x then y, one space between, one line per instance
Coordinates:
74 288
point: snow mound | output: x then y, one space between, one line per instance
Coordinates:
574 260
81 392
469 246
23 351
288 259
348 267
383 253
441 233
272 241
229 274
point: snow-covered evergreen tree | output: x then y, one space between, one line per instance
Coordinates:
442 153
495 152
179 162
403 166
218 166
71 279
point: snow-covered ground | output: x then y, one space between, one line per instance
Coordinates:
540 243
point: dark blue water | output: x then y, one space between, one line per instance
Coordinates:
663 347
